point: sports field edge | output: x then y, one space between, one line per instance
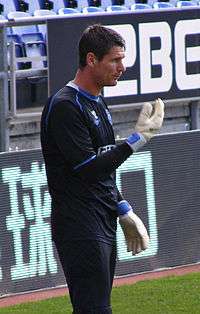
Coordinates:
32 296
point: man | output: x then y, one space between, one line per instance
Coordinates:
81 156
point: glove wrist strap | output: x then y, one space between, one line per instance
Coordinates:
136 141
123 207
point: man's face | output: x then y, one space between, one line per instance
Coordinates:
108 70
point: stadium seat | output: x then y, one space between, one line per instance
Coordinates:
71 3
42 27
140 6
8 6
1 8
64 11
118 2
58 4
19 50
23 5
43 12
36 49
46 4
16 15
94 3
185 3
92 9
162 5
32 39
13 5
33 5
114 8
106 3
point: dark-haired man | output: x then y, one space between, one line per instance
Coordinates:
81 156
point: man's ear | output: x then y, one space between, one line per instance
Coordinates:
91 59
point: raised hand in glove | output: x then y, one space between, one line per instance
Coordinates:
135 233
148 124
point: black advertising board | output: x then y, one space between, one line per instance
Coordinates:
162 182
162 53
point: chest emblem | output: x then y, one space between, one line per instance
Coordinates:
95 117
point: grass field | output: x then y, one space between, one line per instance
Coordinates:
164 296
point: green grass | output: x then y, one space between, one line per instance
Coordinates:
164 296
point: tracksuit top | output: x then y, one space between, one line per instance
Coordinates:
80 157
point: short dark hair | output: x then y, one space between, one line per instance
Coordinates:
99 40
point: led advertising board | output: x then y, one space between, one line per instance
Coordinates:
162 183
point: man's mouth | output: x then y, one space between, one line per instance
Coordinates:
116 77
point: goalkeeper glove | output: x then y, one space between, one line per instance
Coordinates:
135 233
148 124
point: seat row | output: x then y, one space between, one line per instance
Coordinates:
30 40
88 6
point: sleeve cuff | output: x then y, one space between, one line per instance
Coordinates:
123 207
136 141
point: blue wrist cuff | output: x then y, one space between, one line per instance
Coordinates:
136 141
123 207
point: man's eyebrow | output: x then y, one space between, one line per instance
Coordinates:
119 57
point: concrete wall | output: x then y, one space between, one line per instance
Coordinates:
25 132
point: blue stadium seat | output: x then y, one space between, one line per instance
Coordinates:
33 5
162 5
16 15
12 5
94 3
82 4
71 3
23 5
36 49
63 11
44 12
19 50
32 39
106 3
8 6
118 2
42 27
185 3
112 8
140 6
58 4
92 9
1 8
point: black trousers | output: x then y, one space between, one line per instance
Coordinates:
89 270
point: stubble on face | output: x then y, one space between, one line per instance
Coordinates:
110 68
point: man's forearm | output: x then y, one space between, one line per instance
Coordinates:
100 167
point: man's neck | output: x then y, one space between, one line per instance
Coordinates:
86 83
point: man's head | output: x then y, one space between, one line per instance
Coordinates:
101 52
98 40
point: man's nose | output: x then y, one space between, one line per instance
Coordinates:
122 67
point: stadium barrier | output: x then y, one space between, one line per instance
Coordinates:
161 182
162 61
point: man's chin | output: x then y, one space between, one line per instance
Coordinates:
113 83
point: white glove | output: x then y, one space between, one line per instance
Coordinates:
148 124
135 233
